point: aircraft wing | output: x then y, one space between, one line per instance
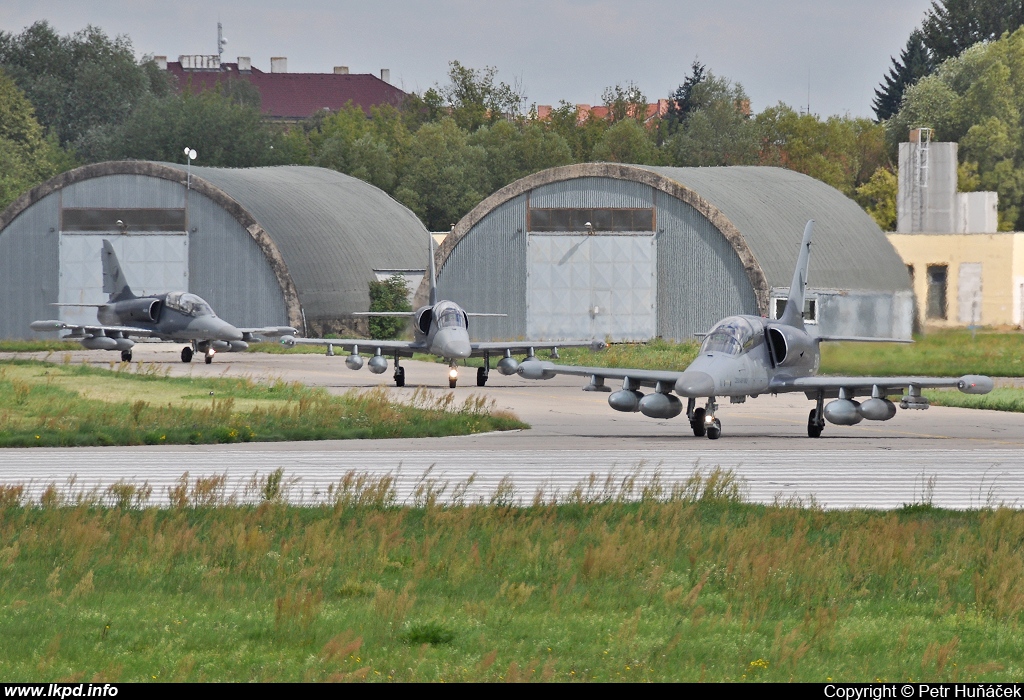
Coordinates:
364 345
539 369
80 330
269 331
887 386
525 346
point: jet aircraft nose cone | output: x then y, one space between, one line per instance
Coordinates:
452 344
694 384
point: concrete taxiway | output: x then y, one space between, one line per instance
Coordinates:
952 457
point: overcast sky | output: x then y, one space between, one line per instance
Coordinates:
556 49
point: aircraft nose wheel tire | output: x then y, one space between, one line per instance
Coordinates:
126 356
814 428
715 429
400 376
697 424
452 383
481 376
209 359
186 354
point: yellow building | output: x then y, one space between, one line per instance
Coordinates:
963 279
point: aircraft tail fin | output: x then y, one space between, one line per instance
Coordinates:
794 312
114 282
433 271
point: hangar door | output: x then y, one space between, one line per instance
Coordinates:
601 285
154 261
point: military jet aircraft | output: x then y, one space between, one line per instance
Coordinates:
178 316
441 328
745 356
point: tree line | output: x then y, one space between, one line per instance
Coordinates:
84 97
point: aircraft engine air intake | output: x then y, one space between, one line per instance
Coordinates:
378 364
145 310
658 405
423 319
788 345
843 412
625 400
508 366
877 409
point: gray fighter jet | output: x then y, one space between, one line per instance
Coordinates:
177 316
747 356
441 328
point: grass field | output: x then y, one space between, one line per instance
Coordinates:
44 404
679 586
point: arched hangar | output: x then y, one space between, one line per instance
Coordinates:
630 252
286 245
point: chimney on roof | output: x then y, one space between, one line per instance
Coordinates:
244 63
341 70
279 64
161 62
385 75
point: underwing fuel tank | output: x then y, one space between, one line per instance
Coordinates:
508 366
658 405
100 342
843 412
354 361
535 369
378 364
877 409
975 384
625 400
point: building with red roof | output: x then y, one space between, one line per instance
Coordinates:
287 96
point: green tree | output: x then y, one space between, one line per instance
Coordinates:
475 98
517 149
391 294
224 132
950 27
626 141
581 136
80 82
841 151
914 63
625 102
878 198
716 128
27 158
444 175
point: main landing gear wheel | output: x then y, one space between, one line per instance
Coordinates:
814 428
714 429
697 424
399 376
126 356
209 358
481 376
186 354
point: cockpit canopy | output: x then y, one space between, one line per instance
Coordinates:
188 304
734 335
450 315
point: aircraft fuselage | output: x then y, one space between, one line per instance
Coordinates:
742 355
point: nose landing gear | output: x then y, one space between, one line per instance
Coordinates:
453 375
